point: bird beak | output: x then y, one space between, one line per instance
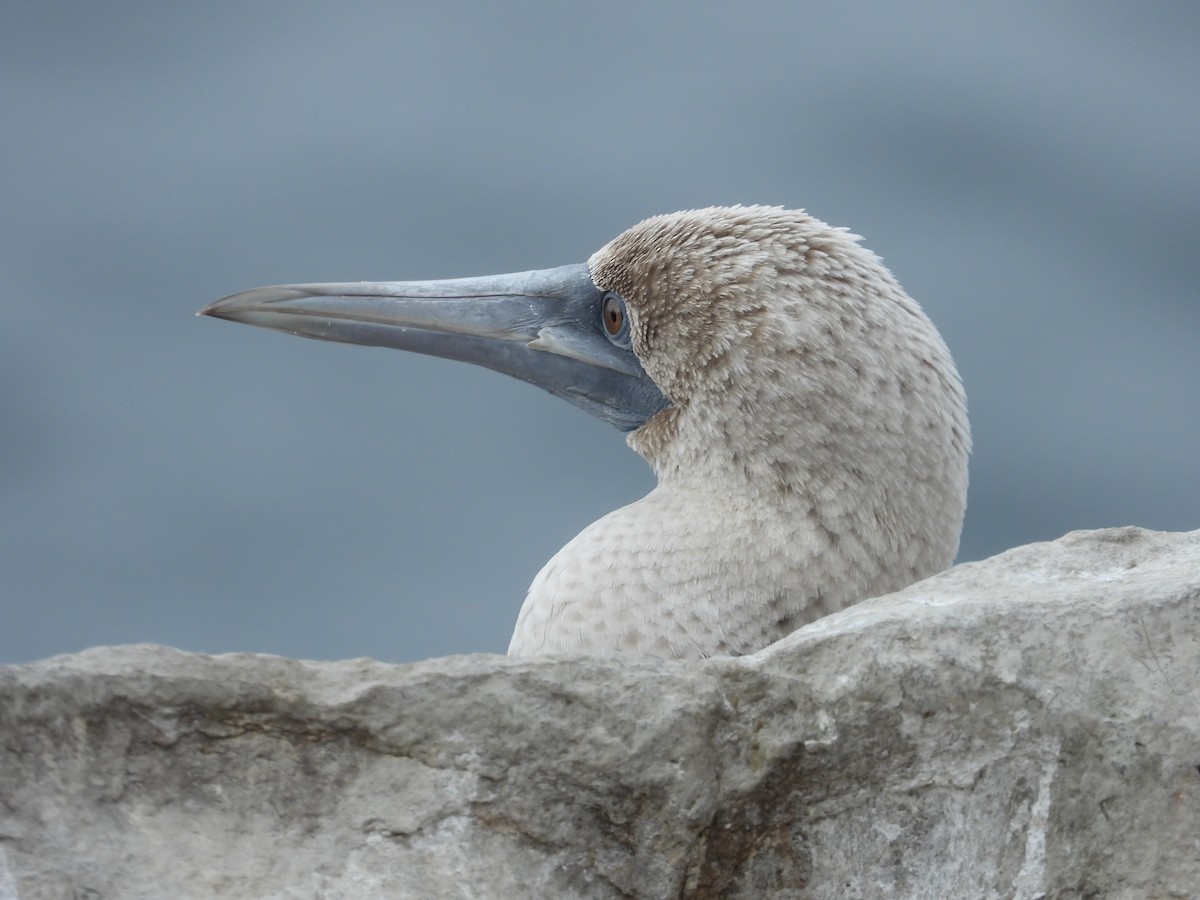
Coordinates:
543 327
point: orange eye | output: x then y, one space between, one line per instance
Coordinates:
614 315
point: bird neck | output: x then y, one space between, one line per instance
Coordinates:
814 473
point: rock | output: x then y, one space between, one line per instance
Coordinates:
1025 726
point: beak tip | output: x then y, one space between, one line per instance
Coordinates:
257 300
216 309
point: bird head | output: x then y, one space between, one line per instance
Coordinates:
743 341
784 347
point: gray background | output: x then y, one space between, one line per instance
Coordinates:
1031 173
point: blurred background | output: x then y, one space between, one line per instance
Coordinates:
1030 172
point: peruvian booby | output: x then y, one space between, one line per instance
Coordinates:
804 419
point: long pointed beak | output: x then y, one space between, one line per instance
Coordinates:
543 327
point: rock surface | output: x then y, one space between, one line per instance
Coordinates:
1025 726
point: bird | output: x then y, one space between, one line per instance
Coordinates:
803 417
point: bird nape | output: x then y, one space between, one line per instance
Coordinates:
804 419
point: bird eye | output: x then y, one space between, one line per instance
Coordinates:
614 314
616 326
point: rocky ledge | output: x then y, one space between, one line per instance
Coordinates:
1027 726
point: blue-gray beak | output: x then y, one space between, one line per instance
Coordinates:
543 327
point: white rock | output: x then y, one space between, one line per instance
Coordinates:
1021 727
